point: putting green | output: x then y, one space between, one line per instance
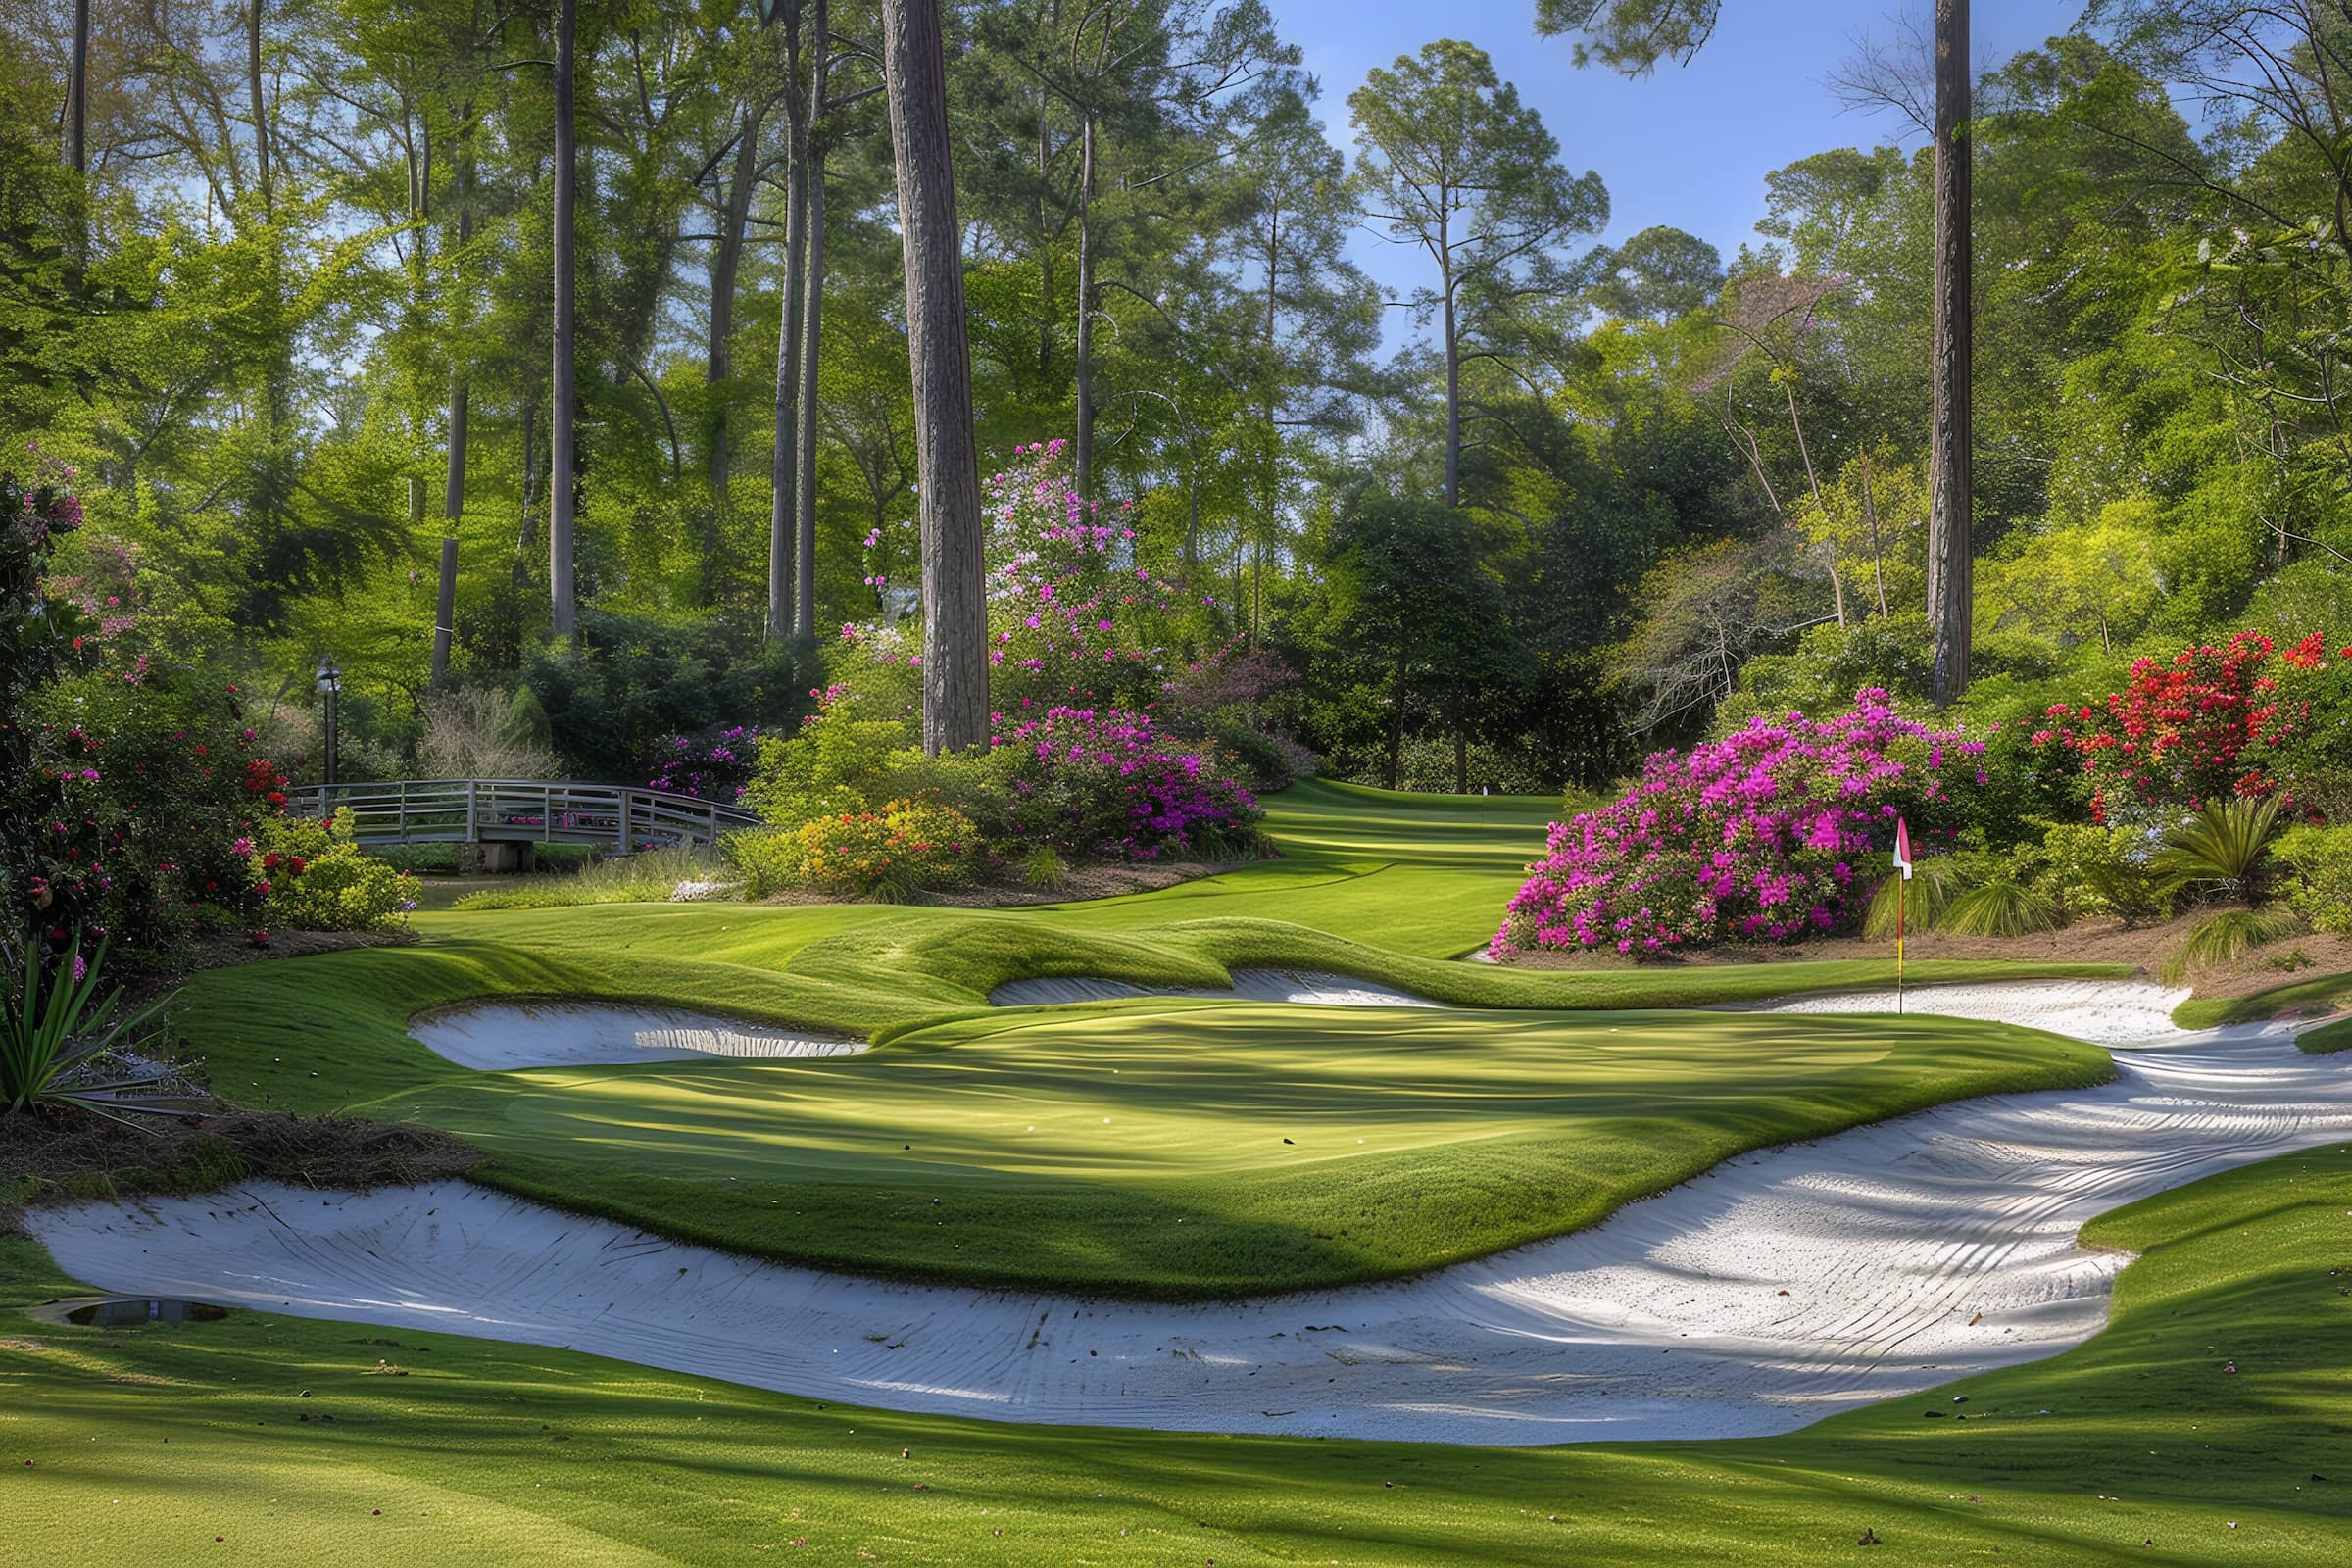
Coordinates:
169 1445
1074 1139
1208 1149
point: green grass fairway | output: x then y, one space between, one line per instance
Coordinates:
2329 992
1208 1149
2328 1038
1416 873
179 1445
1479 1130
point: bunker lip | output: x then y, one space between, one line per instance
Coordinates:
511 1036
1306 987
1911 1252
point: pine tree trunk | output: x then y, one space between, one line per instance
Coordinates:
788 394
260 115
955 599
727 263
1453 407
1085 308
78 94
560 490
444 604
1950 565
813 316
453 488
460 415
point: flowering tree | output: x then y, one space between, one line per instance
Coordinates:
1762 835
1085 641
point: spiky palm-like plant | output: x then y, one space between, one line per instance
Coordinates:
2001 907
2223 936
1934 883
51 1033
2223 846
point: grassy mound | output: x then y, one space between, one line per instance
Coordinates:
146 1445
1210 1150
1066 1143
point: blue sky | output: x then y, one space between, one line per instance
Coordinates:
1689 145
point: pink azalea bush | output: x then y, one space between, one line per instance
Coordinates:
1776 832
1104 782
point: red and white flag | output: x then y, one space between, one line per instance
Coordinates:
1902 847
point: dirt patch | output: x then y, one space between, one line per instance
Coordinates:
2142 946
62 1155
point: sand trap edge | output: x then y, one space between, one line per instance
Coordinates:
509 1036
1301 986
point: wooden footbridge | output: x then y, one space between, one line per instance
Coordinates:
492 812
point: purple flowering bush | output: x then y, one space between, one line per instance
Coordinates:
1776 832
713 766
1102 782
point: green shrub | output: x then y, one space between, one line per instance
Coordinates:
1263 762
2094 870
843 758
2321 886
905 847
632 681
1045 868
313 877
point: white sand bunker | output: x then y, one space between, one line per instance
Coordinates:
1784 1286
2102 1012
499 1037
1248 985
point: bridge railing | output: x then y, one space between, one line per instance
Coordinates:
466 811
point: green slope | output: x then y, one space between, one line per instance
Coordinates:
146 1445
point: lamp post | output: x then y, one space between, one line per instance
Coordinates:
330 684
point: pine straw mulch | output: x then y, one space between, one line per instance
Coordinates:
2142 946
62 1154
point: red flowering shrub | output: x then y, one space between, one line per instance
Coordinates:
314 877
2242 719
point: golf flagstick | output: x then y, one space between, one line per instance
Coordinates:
1902 894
